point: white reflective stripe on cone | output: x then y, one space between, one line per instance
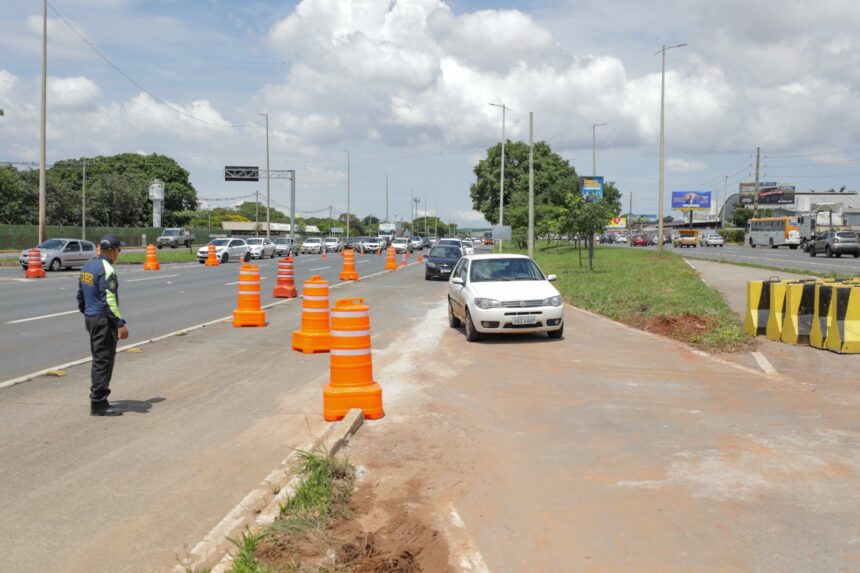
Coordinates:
249 292
312 297
349 314
348 333
351 352
306 309
249 282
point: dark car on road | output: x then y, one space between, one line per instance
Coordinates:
836 243
441 260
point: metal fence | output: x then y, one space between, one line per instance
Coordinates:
26 236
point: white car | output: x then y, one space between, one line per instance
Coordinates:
312 245
372 244
503 294
468 247
262 248
400 244
712 240
226 249
621 240
416 243
332 244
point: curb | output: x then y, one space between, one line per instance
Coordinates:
261 507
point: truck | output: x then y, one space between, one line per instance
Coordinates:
814 224
173 237
387 231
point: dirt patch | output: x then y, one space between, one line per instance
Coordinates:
687 327
390 536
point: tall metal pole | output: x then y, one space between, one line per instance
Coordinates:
436 221
257 212
755 193
84 203
662 141
531 240
386 197
411 207
292 207
43 143
723 213
268 194
594 127
502 176
348 191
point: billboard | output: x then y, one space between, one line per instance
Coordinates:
643 219
501 232
691 200
617 223
769 193
592 188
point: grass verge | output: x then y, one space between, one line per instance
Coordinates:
323 497
163 256
648 290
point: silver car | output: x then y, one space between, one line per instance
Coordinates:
312 245
372 244
59 254
285 246
261 247
226 249
333 244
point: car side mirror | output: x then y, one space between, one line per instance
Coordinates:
552 278
457 281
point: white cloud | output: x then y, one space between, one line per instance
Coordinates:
469 219
75 92
679 165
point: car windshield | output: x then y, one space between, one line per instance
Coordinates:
446 252
170 232
52 244
400 241
255 241
455 242
514 269
330 239
847 235
220 242
309 241
281 241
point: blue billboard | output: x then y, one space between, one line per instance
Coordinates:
592 188
691 200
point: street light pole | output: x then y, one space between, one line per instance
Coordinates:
594 127
386 197
268 194
662 140
502 178
43 122
348 190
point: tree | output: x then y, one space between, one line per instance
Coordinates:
741 216
589 219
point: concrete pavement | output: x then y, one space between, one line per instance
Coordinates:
208 415
41 327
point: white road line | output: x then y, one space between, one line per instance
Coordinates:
320 269
764 363
41 317
468 558
151 278
364 261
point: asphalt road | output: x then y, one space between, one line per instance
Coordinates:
41 327
782 258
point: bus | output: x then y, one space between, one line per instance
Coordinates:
488 238
773 232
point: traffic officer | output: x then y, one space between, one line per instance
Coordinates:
98 300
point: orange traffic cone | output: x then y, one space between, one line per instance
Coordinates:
151 263
391 261
99 249
286 287
323 254
248 311
211 259
420 256
379 252
314 335
403 260
34 265
349 273
352 384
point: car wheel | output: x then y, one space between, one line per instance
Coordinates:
224 258
828 252
751 243
453 321
201 261
472 335
54 266
770 243
856 255
556 334
160 246
838 255
247 258
811 250
174 245
426 277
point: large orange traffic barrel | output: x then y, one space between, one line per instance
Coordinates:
314 335
34 265
286 286
349 273
352 384
391 261
248 311
211 259
151 263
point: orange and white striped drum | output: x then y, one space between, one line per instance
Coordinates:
352 384
248 311
34 265
286 285
314 335
211 258
349 273
391 260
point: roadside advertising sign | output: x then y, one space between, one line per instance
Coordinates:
592 188
642 219
501 232
769 193
691 200
617 223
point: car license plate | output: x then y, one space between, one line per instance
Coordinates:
524 320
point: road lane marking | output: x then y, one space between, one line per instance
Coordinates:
320 269
467 555
364 261
151 278
764 363
41 317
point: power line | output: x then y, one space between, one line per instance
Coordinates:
136 84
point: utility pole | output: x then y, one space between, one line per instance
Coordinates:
84 203
662 141
594 127
348 190
725 198
43 122
755 193
531 240
292 208
386 197
436 221
257 213
425 216
268 195
630 211
412 204
502 178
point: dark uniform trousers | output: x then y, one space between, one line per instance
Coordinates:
103 337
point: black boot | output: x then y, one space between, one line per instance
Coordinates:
104 409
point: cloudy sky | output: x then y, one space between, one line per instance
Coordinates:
405 86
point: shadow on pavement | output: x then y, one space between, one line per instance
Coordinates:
138 406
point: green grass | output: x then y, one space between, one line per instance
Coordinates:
322 497
163 256
646 289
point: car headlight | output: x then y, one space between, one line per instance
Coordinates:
431 265
553 301
486 303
